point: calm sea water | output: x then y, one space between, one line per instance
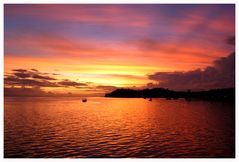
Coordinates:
117 127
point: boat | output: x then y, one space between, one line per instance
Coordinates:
84 100
150 99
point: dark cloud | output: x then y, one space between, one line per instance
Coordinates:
107 88
24 92
55 74
8 79
68 83
33 73
230 40
22 75
220 75
37 76
19 70
34 70
16 81
30 82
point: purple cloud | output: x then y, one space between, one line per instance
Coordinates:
220 75
231 40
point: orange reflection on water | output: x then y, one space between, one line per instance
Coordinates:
113 127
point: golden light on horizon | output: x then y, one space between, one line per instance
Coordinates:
108 49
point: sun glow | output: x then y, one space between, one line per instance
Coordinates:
79 49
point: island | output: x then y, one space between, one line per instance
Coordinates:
226 94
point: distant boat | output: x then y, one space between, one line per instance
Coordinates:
168 98
150 99
84 100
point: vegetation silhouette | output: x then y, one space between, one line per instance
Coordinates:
226 94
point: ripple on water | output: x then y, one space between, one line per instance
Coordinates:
67 128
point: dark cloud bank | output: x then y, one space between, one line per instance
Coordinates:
220 75
36 80
23 82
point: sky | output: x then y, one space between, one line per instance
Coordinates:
90 50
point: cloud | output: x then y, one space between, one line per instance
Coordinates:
220 75
68 83
24 92
33 73
22 75
169 36
35 70
20 70
42 77
146 44
51 45
107 88
16 81
230 40
35 78
174 49
110 15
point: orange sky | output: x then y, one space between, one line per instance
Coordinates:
107 46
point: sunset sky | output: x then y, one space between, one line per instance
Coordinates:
92 49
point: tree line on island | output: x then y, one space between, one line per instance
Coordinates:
226 94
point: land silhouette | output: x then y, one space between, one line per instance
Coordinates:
226 94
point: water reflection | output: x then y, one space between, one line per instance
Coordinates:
113 127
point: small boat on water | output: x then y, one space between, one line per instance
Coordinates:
84 100
150 99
